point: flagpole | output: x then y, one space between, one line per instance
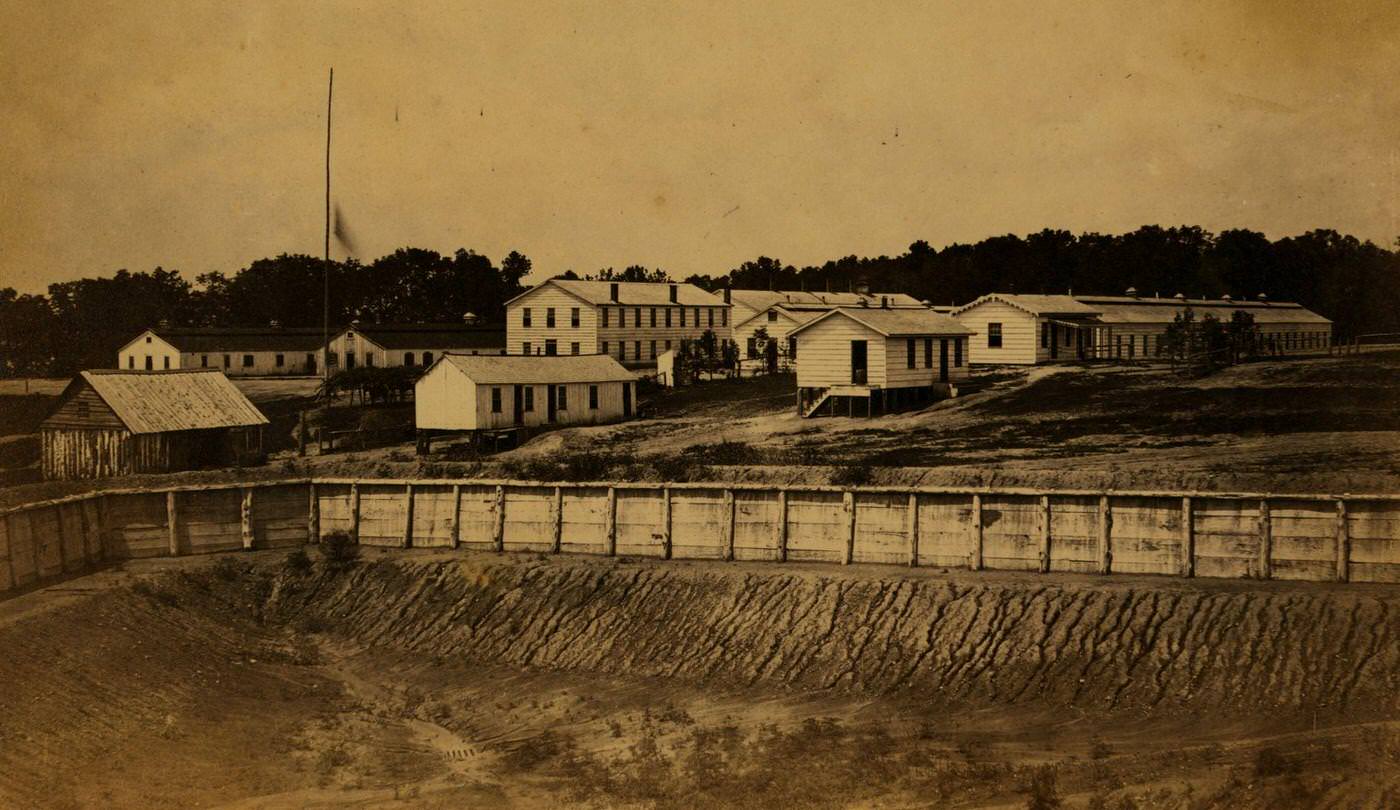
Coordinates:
326 274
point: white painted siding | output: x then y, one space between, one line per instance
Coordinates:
446 399
148 345
899 375
642 336
1020 334
264 364
824 353
539 302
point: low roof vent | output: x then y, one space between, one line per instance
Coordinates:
1132 292
1180 296
1226 297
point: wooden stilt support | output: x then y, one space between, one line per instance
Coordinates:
729 509
172 522
557 539
665 523
498 531
1105 536
1343 543
912 529
407 516
456 520
849 504
1044 533
975 557
611 523
313 514
246 518
355 513
782 527
1266 542
1188 538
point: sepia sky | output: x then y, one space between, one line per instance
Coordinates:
190 134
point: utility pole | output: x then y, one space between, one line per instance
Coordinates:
326 274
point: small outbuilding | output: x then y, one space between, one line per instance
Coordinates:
859 361
114 422
463 392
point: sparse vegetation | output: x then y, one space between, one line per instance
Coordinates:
339 550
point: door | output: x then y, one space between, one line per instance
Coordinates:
858 354
943 359
1054 342
519 405
552 405
627 399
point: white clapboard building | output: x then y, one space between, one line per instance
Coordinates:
632 321
463 392
862 361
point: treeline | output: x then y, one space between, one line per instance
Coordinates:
80 324
1355 283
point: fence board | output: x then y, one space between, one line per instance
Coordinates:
23 554
1227 538
279 516
6 579
210 521
432 516
529 522
1304 539
1011 533
1374 527
70 521
333 503
945 530
640 519
1146 535
136 526
585 521
882 524
381 515
755 525
476 517
816 526
697 524
1074 533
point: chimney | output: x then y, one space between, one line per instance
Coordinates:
1263 299
673 293
1132 292
1180 296
1226 297
612 291
726 296
469 318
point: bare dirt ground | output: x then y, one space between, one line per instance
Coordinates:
1318 424
444 679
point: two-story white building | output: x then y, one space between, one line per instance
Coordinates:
775 313
633 322
863 362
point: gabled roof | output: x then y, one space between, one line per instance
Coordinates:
1129 309
534 369
1047 305
894 322
794 315
801 299
164 401
430 335
629 293
196 339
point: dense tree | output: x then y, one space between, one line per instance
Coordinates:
634 273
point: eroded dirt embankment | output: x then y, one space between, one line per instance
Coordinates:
1137 644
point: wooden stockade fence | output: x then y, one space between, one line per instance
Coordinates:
1343 538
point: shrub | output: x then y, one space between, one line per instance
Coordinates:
339 550
297 561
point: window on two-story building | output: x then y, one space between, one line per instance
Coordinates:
653 317
724 316
525 347
682 311
495 400
605 347
593 397
637 317
573 317
994 336
551 347
697 316
653 350
525 317
605 315
668 316
549 317
637 349
573 348
710 316
752 348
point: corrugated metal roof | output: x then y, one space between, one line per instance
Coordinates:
231 339
433 335
639 293
802 299
895 322
163 401
1035 304
1126 309
539 369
